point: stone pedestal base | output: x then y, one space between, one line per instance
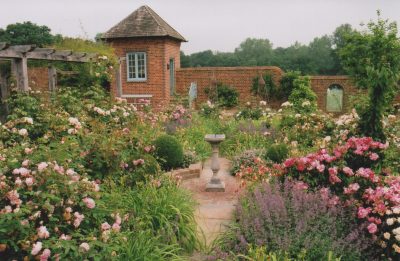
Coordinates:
215 187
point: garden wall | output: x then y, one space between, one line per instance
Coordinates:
241 78
38 78
320 85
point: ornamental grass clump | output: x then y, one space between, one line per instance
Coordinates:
286 217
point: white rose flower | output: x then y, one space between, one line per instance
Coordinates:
386 235
396 231
390 221
23 132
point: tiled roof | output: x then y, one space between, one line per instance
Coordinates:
143 22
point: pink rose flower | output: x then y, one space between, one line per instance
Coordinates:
29 181
28 150
372 228
25 163
89 202
105 226
65 237
42 166
42 232
373 156
138 162
45 255
84 247
348 171
36 248
78 219
116 227
363 212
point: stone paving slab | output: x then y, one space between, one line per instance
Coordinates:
215 209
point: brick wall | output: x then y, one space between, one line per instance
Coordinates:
240 78
38 78
158 52
320 85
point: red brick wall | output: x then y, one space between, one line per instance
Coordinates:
38 78
241 78
158 51
320 85
172 51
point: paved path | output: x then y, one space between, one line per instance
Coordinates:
215 209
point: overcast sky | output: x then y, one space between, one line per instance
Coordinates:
219 25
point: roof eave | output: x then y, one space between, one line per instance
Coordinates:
143 36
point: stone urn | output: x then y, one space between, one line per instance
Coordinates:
215 184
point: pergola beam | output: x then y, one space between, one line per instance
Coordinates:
19 55
31 52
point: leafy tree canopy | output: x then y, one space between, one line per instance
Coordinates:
372 59
27 33
320 56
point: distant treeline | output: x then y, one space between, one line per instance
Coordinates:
320 56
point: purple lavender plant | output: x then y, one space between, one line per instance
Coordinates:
285 217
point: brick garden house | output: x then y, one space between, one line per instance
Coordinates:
149 52
148 49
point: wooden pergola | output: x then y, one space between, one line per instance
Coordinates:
19 55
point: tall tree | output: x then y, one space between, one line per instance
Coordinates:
27 33
372 58
339 37
320 53
254 51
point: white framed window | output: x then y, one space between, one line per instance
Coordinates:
136 66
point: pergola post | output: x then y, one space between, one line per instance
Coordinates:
20 71
52 78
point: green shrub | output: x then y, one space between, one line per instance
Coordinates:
169 152
189 157
250 113
225 95
277 152
209 110
286 83
303 97
267 91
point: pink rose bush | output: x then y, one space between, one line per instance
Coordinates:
350 172
42 204
60 168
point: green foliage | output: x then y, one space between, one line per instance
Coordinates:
260 253
162 221
27 33
303 97
372 58
209 110
318 57
253 52
169 152
277 152
224 95
245 159
99 73
287 83
266 91
249 113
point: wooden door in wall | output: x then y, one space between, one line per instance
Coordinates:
171 76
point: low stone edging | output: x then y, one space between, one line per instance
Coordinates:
193 171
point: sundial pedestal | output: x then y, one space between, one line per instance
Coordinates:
215 184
